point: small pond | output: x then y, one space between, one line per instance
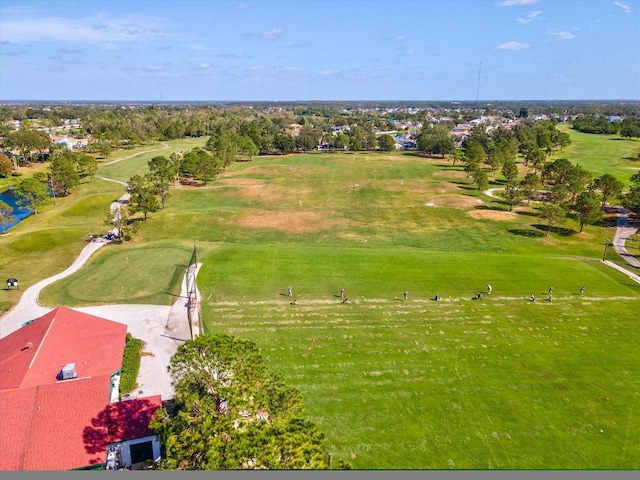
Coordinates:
19 212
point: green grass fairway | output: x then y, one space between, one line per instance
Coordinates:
500 382
123 170
602 154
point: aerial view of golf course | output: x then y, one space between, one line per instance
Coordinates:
425 321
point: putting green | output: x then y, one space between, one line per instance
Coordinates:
122 275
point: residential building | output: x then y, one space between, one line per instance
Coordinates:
59 409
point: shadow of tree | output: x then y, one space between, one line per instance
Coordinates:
494 207
527 213
564 232
523 232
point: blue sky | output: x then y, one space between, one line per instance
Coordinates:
208 50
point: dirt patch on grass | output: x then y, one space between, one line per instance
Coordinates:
455 201
450 174
493 215
254 189
279 170
242 182
285 221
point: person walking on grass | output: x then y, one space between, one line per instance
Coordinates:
406 294
533 298
582 291
489 289
290 290
342 293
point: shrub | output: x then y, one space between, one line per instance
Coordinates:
130 364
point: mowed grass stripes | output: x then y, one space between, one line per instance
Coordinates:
458 383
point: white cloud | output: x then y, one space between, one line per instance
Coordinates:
511 3
513 45
531 16
234 55
561 34
243 6
273 34
410 52
623 6
100 29
197 46
157 67
398 38
203 66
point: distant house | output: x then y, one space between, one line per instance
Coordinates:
294 129
70 143
341 128
405 142
59 378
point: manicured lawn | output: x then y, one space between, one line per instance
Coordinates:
137 165
602 154
500 382
136 275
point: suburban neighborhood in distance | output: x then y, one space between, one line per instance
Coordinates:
329 236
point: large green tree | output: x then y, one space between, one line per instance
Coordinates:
608 186
163 172
142 191
6 215
631 200
552 214
436 140
512 193
229 412
27 140
6 166
31 193
530 185
386 143
587 206
64 175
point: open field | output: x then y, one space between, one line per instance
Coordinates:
500 382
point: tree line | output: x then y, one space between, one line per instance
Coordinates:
628 127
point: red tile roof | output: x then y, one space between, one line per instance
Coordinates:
18 349
61 336
69 427
16 407
46 424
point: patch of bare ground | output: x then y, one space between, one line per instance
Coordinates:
255 189
303 221
279 170
492 215
450 174
455 201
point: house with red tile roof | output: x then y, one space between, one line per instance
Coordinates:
58 382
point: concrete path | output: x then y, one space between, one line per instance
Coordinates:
623 232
